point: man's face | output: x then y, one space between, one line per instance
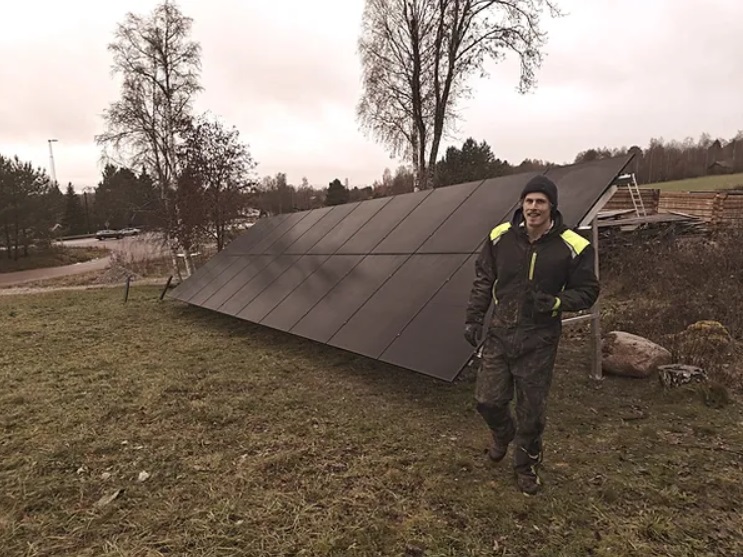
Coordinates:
536 208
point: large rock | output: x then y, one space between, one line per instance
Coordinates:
631 355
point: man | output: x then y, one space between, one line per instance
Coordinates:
532 268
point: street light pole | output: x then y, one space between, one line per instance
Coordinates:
51 162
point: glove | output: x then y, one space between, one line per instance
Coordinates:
545 303
472 333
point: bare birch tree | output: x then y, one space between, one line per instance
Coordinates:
418 54
159 66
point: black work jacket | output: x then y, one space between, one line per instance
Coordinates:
510 269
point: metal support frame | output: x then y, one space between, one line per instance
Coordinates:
594 315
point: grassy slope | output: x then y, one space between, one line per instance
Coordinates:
699 184
259 443
52 257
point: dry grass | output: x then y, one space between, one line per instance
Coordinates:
657 289
54 256
259 443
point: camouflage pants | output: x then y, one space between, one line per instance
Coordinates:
517 360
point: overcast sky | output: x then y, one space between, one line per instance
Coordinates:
287 75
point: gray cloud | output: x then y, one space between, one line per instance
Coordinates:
616 73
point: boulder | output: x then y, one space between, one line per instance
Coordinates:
631 355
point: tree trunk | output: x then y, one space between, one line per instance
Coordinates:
8 242
16 242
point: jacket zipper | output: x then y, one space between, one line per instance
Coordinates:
532 264
529 277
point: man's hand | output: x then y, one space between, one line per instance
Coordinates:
472 333
545 303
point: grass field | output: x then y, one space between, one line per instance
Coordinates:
257 443
704 183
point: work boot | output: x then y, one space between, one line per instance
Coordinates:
528 483
497 451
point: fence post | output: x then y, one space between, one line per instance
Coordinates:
165 289
596 371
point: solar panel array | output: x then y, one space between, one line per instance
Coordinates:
387 278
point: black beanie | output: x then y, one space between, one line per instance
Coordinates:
540 183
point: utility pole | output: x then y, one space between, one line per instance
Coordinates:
51 162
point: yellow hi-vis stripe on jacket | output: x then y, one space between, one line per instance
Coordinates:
575 242
498 231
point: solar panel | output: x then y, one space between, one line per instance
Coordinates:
302 267
349 226
306 221
387 278
268 272
464 229
208 288
219 297
574 198
432 342
382 223
310 291
338 305
427 216
200 278
278 232
257 232
386 313
320 229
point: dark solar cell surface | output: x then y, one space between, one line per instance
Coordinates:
349 226
278 231
231 264
386 313
382 223
576 196
304 297
300 268
427 216
339 305
237 282
468 225
433 341
320 229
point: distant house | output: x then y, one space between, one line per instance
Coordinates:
724 159
721 167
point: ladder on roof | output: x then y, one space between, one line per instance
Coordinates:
636 196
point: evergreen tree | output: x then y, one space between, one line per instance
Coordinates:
472 162
73 216
337 193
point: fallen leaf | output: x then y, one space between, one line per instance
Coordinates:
106 499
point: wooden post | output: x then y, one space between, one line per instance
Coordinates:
126 288
165 289
596 372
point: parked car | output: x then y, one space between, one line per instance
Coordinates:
106 233
130 231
